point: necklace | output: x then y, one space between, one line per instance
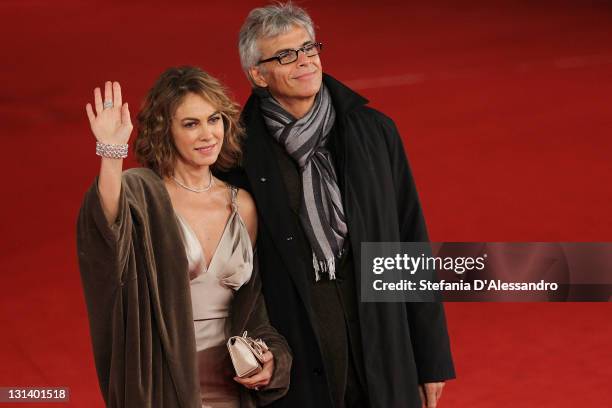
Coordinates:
196 190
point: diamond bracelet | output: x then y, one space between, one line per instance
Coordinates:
112 151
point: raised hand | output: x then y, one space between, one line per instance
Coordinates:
111 123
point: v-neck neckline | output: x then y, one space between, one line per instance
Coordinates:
192 232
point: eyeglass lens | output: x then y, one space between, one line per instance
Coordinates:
309 50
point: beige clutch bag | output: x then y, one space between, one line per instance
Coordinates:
247 354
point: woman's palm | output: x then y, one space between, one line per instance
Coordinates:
110 125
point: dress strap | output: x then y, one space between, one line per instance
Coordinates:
233 197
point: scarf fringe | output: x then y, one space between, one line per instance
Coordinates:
326 266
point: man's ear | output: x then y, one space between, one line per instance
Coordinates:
256 75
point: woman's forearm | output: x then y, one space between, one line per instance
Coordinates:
109 187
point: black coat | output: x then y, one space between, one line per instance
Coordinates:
404 344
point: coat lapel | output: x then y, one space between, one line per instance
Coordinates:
271 196
344 100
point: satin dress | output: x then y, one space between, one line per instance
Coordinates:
212 291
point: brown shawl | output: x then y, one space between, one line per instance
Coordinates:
139 304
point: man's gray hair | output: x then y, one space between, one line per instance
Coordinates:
267 22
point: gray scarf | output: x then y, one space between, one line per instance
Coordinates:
321 213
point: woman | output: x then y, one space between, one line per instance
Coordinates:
166 255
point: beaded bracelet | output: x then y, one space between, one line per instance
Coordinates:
112 151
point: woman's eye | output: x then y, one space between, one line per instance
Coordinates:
214 119
190 124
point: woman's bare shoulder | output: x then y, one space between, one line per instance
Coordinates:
248 211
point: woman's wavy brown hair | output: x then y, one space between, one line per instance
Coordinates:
154 144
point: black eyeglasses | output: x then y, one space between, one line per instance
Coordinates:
289 56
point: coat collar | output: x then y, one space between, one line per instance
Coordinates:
258 142
344 98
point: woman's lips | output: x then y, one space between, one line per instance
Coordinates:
206 149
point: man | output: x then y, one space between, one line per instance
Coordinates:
327 173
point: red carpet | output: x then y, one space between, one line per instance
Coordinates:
505 108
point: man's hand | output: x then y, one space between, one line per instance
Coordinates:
430 393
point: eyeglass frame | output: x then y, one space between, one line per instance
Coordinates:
317 45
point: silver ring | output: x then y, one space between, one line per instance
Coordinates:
108 104
256 388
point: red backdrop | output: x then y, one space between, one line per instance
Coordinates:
504 108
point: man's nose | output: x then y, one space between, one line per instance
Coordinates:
302 59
